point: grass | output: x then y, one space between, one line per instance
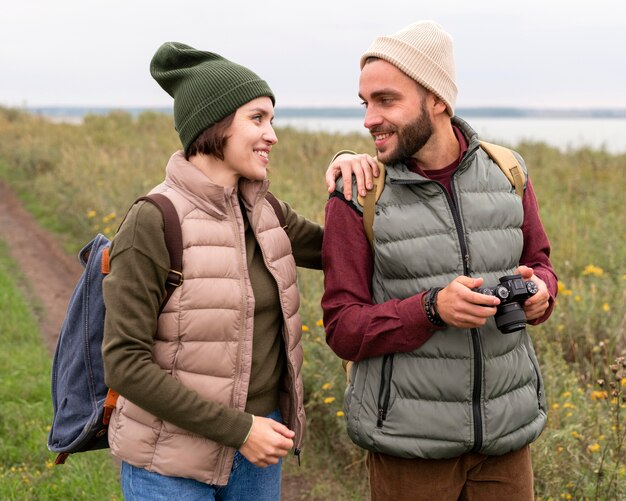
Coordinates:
27 469
80 179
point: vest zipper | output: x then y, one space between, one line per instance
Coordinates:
241 245
451 198
230 208
476 345
384 393
476 391
292 419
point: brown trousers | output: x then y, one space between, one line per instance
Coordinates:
470 477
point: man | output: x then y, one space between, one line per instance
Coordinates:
445 403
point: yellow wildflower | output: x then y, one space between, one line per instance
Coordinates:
591 269
623 381
561 286
325 386
568 292
305 328
599 395
606 307
568 405
556 406
566 394
575 434
594 448
329 400
339 413
91 214
577 298
109 217
320 323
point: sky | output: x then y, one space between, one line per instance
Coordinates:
536 53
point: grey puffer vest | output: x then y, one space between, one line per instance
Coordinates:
464 390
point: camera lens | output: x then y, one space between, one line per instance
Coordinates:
510 318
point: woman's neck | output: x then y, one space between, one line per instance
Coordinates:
213 168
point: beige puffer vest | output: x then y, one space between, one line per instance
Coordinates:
204 336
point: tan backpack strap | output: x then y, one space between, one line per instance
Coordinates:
173 242
368 202
277 209
508 163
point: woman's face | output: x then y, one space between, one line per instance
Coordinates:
250 139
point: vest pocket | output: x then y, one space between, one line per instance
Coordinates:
537 374
537 381
384 393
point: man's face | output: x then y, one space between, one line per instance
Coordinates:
396 112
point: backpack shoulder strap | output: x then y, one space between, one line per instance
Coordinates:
508 164
277 209
368 202
173 241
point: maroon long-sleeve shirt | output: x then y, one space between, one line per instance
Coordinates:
356 328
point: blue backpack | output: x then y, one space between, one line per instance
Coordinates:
82 404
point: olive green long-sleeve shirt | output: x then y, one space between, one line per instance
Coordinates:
133 293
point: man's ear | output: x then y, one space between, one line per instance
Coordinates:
438 104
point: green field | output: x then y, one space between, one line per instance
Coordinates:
27 469
80 179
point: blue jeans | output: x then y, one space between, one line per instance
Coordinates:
246 482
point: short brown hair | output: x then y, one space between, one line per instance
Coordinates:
211 140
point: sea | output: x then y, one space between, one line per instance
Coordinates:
598 129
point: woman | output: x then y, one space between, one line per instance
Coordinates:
206 385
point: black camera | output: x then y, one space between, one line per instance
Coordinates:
512 291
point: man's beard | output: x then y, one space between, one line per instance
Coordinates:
411 138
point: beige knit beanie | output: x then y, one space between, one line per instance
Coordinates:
424 51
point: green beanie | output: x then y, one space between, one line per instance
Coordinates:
205 86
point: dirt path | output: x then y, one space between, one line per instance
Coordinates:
51 274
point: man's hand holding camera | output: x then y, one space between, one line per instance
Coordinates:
535 306
466 303
460 306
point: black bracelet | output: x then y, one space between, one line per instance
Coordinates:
430 306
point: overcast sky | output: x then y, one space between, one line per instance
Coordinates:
532 53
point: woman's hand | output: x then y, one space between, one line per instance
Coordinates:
268 441
363 166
